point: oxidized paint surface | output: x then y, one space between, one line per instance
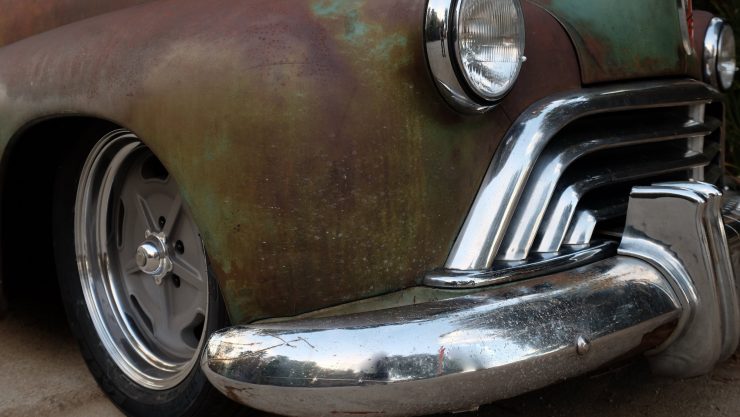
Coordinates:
20 19
314 151
618 40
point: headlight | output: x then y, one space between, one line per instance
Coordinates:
726 64
490 45
475 49
719 54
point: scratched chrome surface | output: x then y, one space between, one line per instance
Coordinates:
487 346
679 228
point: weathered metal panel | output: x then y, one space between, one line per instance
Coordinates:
318 159
20 19
625 39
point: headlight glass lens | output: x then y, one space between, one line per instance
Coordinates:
490 45
726 62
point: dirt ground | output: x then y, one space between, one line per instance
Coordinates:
42 374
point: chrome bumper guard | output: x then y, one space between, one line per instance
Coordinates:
670 292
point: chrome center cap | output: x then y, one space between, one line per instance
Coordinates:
148 258
152 257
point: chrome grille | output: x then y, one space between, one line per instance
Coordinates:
560 181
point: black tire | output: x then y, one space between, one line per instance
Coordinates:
194 395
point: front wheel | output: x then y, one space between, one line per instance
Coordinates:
135 279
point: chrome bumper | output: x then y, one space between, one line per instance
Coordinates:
671 291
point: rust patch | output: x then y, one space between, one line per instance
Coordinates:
440 360
233 393
650 340
701 23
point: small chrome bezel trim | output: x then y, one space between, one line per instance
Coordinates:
711 52
683 7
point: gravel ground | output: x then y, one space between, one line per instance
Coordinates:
42 374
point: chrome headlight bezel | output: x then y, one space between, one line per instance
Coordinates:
443 57
713 42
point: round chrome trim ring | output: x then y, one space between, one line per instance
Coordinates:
152 363
440 40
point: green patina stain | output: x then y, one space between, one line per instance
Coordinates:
622 39
326 8
369 41
355 30
386 46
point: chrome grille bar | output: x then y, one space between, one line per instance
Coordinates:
585 221
559 214
487 222
561 154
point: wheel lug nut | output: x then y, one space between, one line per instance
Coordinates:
162 221
179 247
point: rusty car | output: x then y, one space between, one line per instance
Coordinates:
370 207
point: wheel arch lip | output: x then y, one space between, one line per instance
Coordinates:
13 135
69 124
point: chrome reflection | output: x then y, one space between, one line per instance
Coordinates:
504 183
560 212
558 156
438 29
585 221
509 271
678 227
489 345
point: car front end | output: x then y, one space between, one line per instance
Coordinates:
602 228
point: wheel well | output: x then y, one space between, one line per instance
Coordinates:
29 170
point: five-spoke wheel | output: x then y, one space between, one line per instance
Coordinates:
141 274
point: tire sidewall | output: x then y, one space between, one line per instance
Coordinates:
184 399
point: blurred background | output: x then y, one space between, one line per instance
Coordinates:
730 11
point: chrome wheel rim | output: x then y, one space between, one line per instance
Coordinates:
141 262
